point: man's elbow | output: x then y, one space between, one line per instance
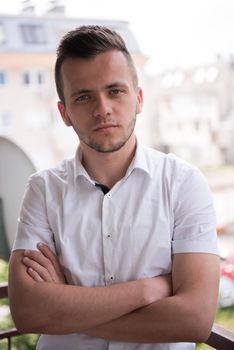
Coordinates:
196 322
23 326
25 322
200 327
25 311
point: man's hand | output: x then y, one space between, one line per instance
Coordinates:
117 311
36 283
43 266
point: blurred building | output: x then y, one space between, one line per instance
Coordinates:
28 111
193 113
189 112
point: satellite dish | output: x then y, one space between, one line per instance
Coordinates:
15 169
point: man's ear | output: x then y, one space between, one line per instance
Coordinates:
63 113
139 100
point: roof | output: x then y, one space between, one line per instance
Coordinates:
37 34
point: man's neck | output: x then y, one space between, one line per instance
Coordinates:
108 168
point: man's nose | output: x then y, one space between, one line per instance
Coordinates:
102 107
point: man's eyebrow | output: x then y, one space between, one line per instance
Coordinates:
81 91
109 86
116 84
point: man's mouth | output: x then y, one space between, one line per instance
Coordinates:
105 127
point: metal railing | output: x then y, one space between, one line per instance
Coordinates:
9 333
220 337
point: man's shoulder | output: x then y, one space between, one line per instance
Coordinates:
169 162
60 172
174 172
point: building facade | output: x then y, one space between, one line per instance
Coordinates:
193 113
28 98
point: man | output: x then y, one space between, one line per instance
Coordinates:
116 248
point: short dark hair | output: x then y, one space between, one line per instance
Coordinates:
87 42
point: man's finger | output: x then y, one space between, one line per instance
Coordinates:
38 268
42 260
49 254
35 275
45 249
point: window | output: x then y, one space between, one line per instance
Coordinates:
2 34
2 78
40 78
5 119
26 78
33 78
33 34
197 125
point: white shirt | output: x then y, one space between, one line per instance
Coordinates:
161 207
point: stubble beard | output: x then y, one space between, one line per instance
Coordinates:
101 148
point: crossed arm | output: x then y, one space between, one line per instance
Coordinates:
138 311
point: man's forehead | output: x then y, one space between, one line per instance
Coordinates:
81 74
109 59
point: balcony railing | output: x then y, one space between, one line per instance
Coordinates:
220 338
9 333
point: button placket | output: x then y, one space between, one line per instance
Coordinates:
107 239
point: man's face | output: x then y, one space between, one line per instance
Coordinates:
101 100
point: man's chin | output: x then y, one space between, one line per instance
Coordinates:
107 148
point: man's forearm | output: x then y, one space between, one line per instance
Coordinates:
186 316
166 320
61 309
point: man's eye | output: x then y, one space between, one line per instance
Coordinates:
116 91
82 98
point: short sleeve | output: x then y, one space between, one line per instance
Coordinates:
33 225
194 215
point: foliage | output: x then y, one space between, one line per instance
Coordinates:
3 278
23 342
3 271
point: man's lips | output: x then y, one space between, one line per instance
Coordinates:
105 127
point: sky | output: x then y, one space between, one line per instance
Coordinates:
171 33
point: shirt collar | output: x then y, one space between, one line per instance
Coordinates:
140 161
79 169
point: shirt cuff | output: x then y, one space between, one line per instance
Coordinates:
190 246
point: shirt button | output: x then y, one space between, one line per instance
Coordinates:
108 195
108 236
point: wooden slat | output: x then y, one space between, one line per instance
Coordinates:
3 290
221 338
8 333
